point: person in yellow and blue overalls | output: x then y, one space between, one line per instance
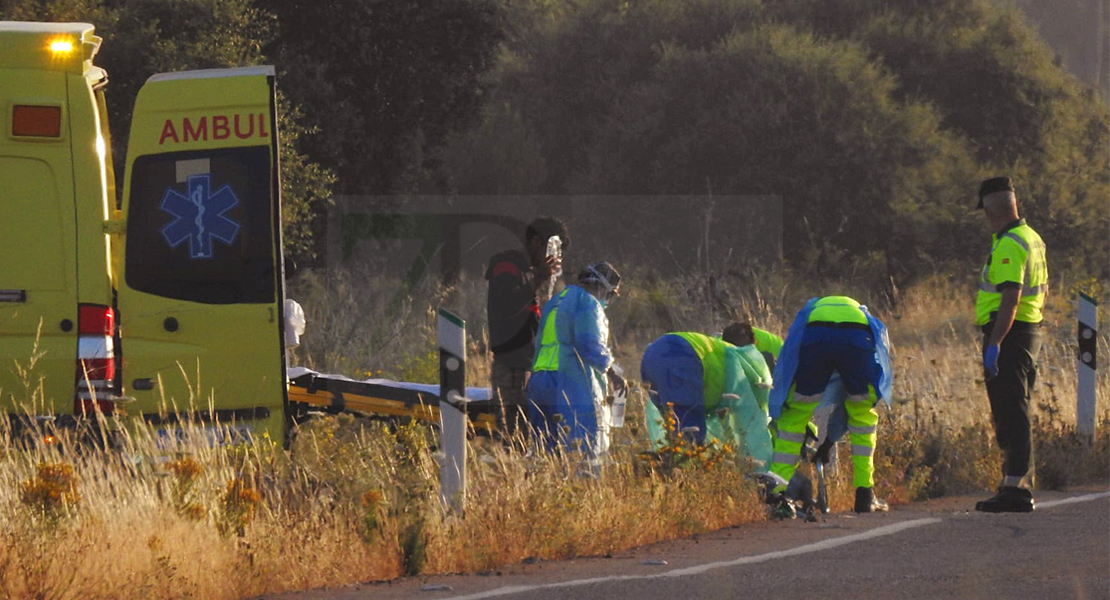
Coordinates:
834 334
573 366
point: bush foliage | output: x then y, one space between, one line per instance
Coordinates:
873 120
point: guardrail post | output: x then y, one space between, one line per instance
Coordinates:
451 333
1088 347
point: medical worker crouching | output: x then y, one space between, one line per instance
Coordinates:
717 390
832 335
573 369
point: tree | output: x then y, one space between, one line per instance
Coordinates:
1077 30
144 37
858 112
572 73
498 156
777 112
385 81
1000 87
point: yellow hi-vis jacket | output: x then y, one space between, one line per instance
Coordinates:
1017 258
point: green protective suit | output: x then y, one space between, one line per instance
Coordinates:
736 384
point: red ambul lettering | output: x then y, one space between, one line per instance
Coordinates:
214 127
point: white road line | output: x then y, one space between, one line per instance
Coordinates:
1086 498
699 569
815 547
748 560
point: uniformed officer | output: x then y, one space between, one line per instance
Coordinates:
1012 291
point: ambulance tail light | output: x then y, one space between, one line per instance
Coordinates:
97 361
93 319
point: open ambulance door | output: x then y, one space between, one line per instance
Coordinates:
200 296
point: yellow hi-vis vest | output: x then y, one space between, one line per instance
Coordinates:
711 351
547 358
837 309
765 341
1017 257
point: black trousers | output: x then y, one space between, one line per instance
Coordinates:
1009 394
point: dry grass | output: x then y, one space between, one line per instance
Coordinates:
357 500
543 506
216 523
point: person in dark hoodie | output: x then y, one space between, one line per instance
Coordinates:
520 282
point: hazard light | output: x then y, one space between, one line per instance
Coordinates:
61 46
36 121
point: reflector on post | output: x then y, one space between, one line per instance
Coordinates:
36 121
1088 364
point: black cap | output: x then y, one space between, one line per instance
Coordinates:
992 185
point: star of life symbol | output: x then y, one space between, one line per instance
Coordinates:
199 216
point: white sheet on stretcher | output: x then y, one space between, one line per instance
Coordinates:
476 394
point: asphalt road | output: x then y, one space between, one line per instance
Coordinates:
938 549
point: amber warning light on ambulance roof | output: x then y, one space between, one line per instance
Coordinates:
61 47
36 121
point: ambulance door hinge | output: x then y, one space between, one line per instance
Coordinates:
115 226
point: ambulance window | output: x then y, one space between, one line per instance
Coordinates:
200 226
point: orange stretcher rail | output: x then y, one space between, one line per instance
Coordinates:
377 400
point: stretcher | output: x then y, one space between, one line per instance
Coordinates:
380 398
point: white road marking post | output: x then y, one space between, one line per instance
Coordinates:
1088 346
451 333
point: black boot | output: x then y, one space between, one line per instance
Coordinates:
1008 499
867 502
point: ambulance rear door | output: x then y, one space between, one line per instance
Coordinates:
201 290
38 280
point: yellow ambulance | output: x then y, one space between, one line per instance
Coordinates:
166 307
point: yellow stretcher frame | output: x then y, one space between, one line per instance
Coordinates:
377 400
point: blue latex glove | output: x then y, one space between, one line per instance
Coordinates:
990 361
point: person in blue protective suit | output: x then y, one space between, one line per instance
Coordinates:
832 335
718 391
573 367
